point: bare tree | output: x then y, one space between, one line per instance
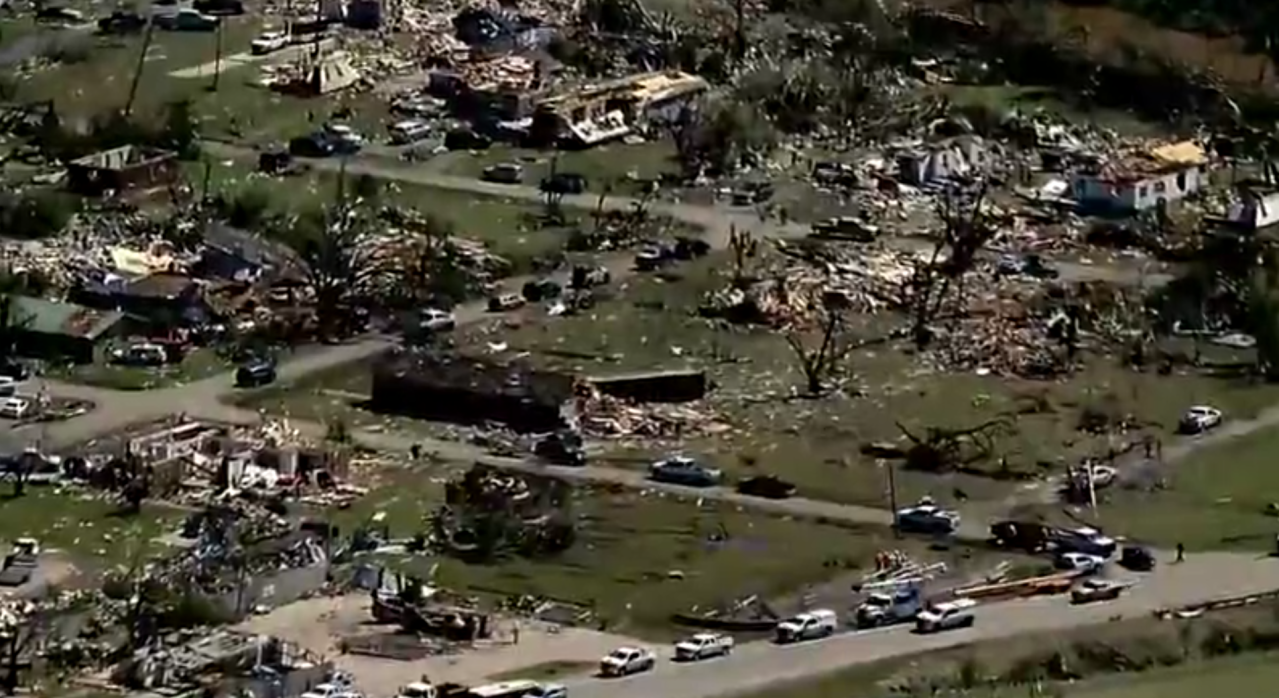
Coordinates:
966 230
821 354
744 247
340 264
20 639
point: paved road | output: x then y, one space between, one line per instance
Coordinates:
759 665
717 220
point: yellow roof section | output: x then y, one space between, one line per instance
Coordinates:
1183 153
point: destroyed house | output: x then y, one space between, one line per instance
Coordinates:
1142 180
467 390
123 169
609 110
61 331
1256 209
164 300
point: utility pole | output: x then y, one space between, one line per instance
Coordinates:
137 69
891 472
217 58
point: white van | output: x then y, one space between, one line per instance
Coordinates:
405 132
807 626
946 616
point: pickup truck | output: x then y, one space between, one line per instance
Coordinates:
881 609
807 626
702 646
1097 590
946 616
624 661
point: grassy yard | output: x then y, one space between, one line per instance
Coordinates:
508 226
199 364
240 108
1215 497
639 556
87 526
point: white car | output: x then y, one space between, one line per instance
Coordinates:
946 616
1080 562
410 131
702 646
269 42
1199 419
436 320
624 661
331 690
344 133
8 386
15 408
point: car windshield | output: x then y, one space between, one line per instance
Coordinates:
879 600
620 654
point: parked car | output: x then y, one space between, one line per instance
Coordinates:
59 14
767 487
650 258
121 22
807 626
561 448
928 519
564 183
539 290
322 144
436 320
703 646
269 42
946 616
142 354
187 19
408 131
587 277
219 7
681 470
1025 265
255 372
504 173
8 386
16 408
466 139
1137 558
624 661
1199 419
505 302
1084 539
418 106
1097 590
1080 562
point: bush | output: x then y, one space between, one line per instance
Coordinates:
248 208
36 214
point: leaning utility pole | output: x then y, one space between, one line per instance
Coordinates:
217 58
137 70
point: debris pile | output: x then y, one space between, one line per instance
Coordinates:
604 416
489 514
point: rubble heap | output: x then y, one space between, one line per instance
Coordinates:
488 514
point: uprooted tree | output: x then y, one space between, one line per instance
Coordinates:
821 355
941 449
967 227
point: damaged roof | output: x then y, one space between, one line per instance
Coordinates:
470 374
66 319
121 158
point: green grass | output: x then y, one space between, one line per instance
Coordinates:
507 226
1251 675
240 109
639 557
199 364
88 525
1216 497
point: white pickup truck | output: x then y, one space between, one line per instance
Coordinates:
702 646
807 626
